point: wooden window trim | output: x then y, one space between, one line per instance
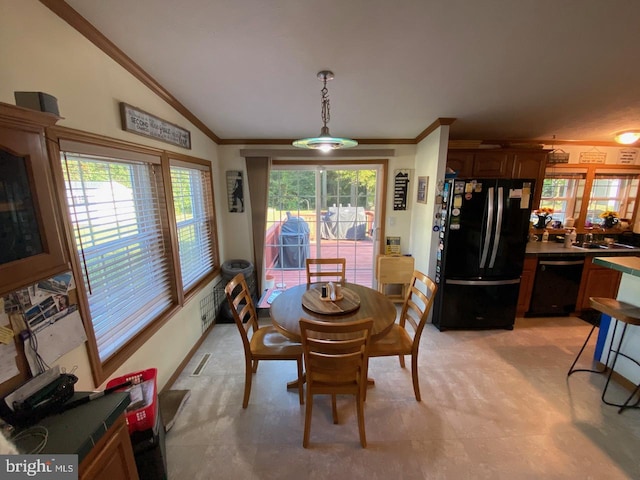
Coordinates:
590 172
102 370
167 160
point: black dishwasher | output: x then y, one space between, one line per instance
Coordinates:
556 285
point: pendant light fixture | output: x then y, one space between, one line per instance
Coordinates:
325 142
628 138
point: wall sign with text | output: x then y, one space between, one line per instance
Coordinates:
138 121
401 180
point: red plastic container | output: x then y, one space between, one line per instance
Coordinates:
143 418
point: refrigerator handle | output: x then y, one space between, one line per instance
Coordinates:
496 238
487 233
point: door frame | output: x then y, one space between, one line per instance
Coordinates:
381 194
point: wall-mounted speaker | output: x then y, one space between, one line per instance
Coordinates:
37 101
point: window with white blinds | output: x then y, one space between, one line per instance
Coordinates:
563 193
612 192
193 204
116 208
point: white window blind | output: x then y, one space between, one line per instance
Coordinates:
560 192
116 209
612 191
193 202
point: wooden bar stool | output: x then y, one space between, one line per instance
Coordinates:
622 313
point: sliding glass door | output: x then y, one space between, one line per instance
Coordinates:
321 212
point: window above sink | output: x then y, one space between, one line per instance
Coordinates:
583 192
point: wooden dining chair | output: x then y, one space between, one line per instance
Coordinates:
315 269
260 343
336 362
417 304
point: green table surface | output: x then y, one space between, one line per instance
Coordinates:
76 431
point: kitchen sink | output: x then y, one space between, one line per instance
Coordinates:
596 246
622 245
590 246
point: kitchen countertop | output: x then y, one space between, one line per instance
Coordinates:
630 265
536 249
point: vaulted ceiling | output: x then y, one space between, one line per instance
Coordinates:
504 69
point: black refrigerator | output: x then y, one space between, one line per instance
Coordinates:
483 231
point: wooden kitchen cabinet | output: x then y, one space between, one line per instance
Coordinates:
460 162
31 243
531 165
98 434
500 163
492 164
526 284
480 163
596 281
112 457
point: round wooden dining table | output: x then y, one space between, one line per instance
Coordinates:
287 310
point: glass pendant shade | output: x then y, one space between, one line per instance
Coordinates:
325 142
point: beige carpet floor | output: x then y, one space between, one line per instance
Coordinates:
496 405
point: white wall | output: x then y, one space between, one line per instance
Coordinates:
40 52
236 231
431 159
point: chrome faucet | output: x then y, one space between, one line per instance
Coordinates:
588 239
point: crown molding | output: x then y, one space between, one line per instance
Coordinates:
554 142
299 153
77 21
439 122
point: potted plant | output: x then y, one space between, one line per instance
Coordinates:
544 216
610 218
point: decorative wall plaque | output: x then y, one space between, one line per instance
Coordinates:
138 121
628 156
593 156
235 193
401 188
422 189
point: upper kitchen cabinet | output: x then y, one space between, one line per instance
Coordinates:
492 164
500 163
31 244
480 163
460 162
531 165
